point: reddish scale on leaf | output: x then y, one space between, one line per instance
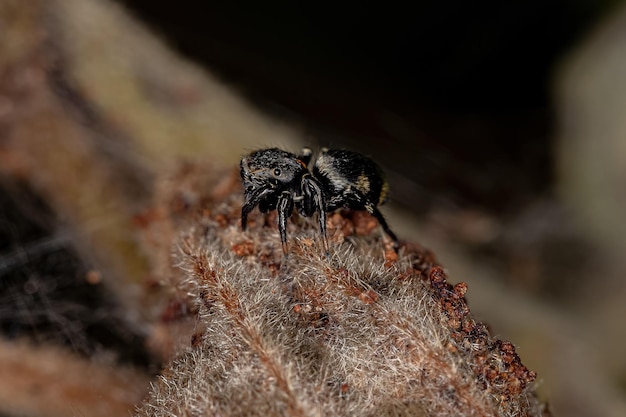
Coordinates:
245 248
222 220
353 291
391 256
307 242
340 273
368 297
460 289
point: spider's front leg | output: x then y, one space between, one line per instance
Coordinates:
284 208
313 201
252 199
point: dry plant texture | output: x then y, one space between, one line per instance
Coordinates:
364 331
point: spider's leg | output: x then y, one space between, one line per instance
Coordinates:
379 216
284 208
252 200
314 200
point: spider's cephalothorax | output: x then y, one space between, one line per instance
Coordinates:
277 180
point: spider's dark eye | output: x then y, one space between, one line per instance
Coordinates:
276 172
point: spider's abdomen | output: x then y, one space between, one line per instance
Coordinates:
350 180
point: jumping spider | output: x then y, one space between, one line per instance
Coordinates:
277 180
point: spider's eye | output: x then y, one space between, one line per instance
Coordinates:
277 172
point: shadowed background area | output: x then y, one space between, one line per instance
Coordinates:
456 94
499 126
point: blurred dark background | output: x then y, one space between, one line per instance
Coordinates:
453 98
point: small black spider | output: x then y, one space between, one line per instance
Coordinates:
277 180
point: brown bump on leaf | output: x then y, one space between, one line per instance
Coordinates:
353 291
368 297
245 248
451 347
308 242
460 289
222 220
391 256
